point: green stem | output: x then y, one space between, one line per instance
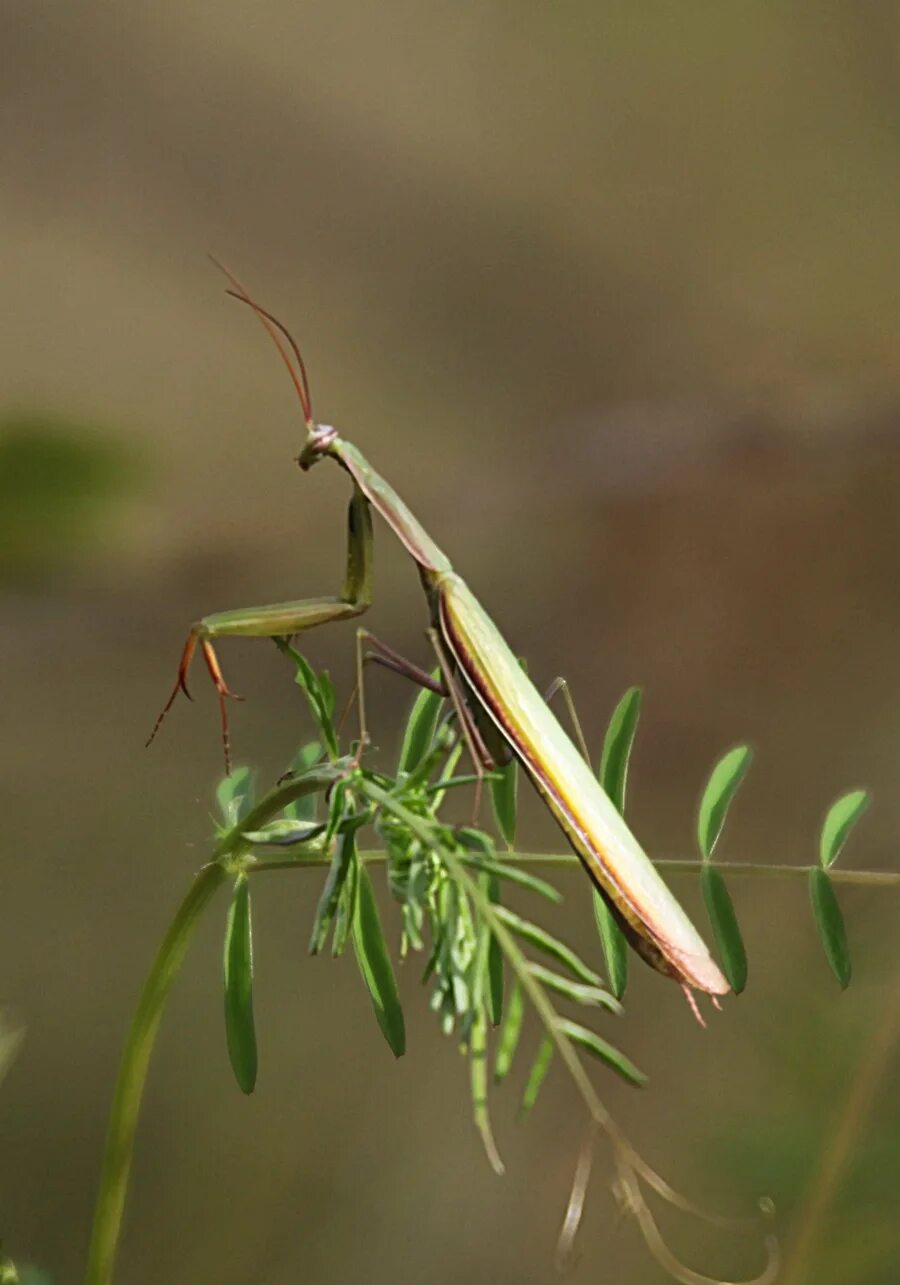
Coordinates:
232 854
863 878
843 1138
565 860
123 1116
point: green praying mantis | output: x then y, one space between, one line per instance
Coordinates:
500 711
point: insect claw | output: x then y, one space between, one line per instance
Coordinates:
692 1004
180 683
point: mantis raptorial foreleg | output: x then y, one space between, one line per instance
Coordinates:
282 619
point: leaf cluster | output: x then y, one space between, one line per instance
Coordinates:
493 972
481 959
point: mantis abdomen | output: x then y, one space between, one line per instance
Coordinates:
653 919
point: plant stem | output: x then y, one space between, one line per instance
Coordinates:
233 854
566 860
132 1076
123 1115
826 1180
630 1165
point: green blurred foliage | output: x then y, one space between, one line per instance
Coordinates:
10 1039
828 1151
59 482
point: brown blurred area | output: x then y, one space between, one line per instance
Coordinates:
610 293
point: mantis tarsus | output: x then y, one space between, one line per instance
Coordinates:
499 709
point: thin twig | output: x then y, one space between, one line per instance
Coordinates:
673 866
827 1178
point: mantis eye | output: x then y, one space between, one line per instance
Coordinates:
322 437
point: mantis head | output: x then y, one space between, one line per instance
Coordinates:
320 439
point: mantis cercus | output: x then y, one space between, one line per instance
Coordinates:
493 697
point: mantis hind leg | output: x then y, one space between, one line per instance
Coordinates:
388 658
560 686
480 754
281 619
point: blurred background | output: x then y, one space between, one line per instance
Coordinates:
609 292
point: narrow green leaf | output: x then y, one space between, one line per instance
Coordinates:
341 860
375 966
840 819
726 930
605 1052
724 780
420 727
508 1039
479 1086
549 944
613 775
327 693
304 808
235 794
578 992
318 698
238 976
437 946
505 792
417 887
476 840
617 746
504 799
487 977
615 947
337 811
536 1076
830 924
449 767
346 909
457 782
495 963
285 831
306 676
516 875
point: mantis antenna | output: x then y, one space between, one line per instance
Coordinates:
273 326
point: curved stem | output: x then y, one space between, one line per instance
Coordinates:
826 1180
232 853
123 1116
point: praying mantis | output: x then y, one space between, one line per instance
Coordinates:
500 711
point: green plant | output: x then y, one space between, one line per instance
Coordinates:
485 964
